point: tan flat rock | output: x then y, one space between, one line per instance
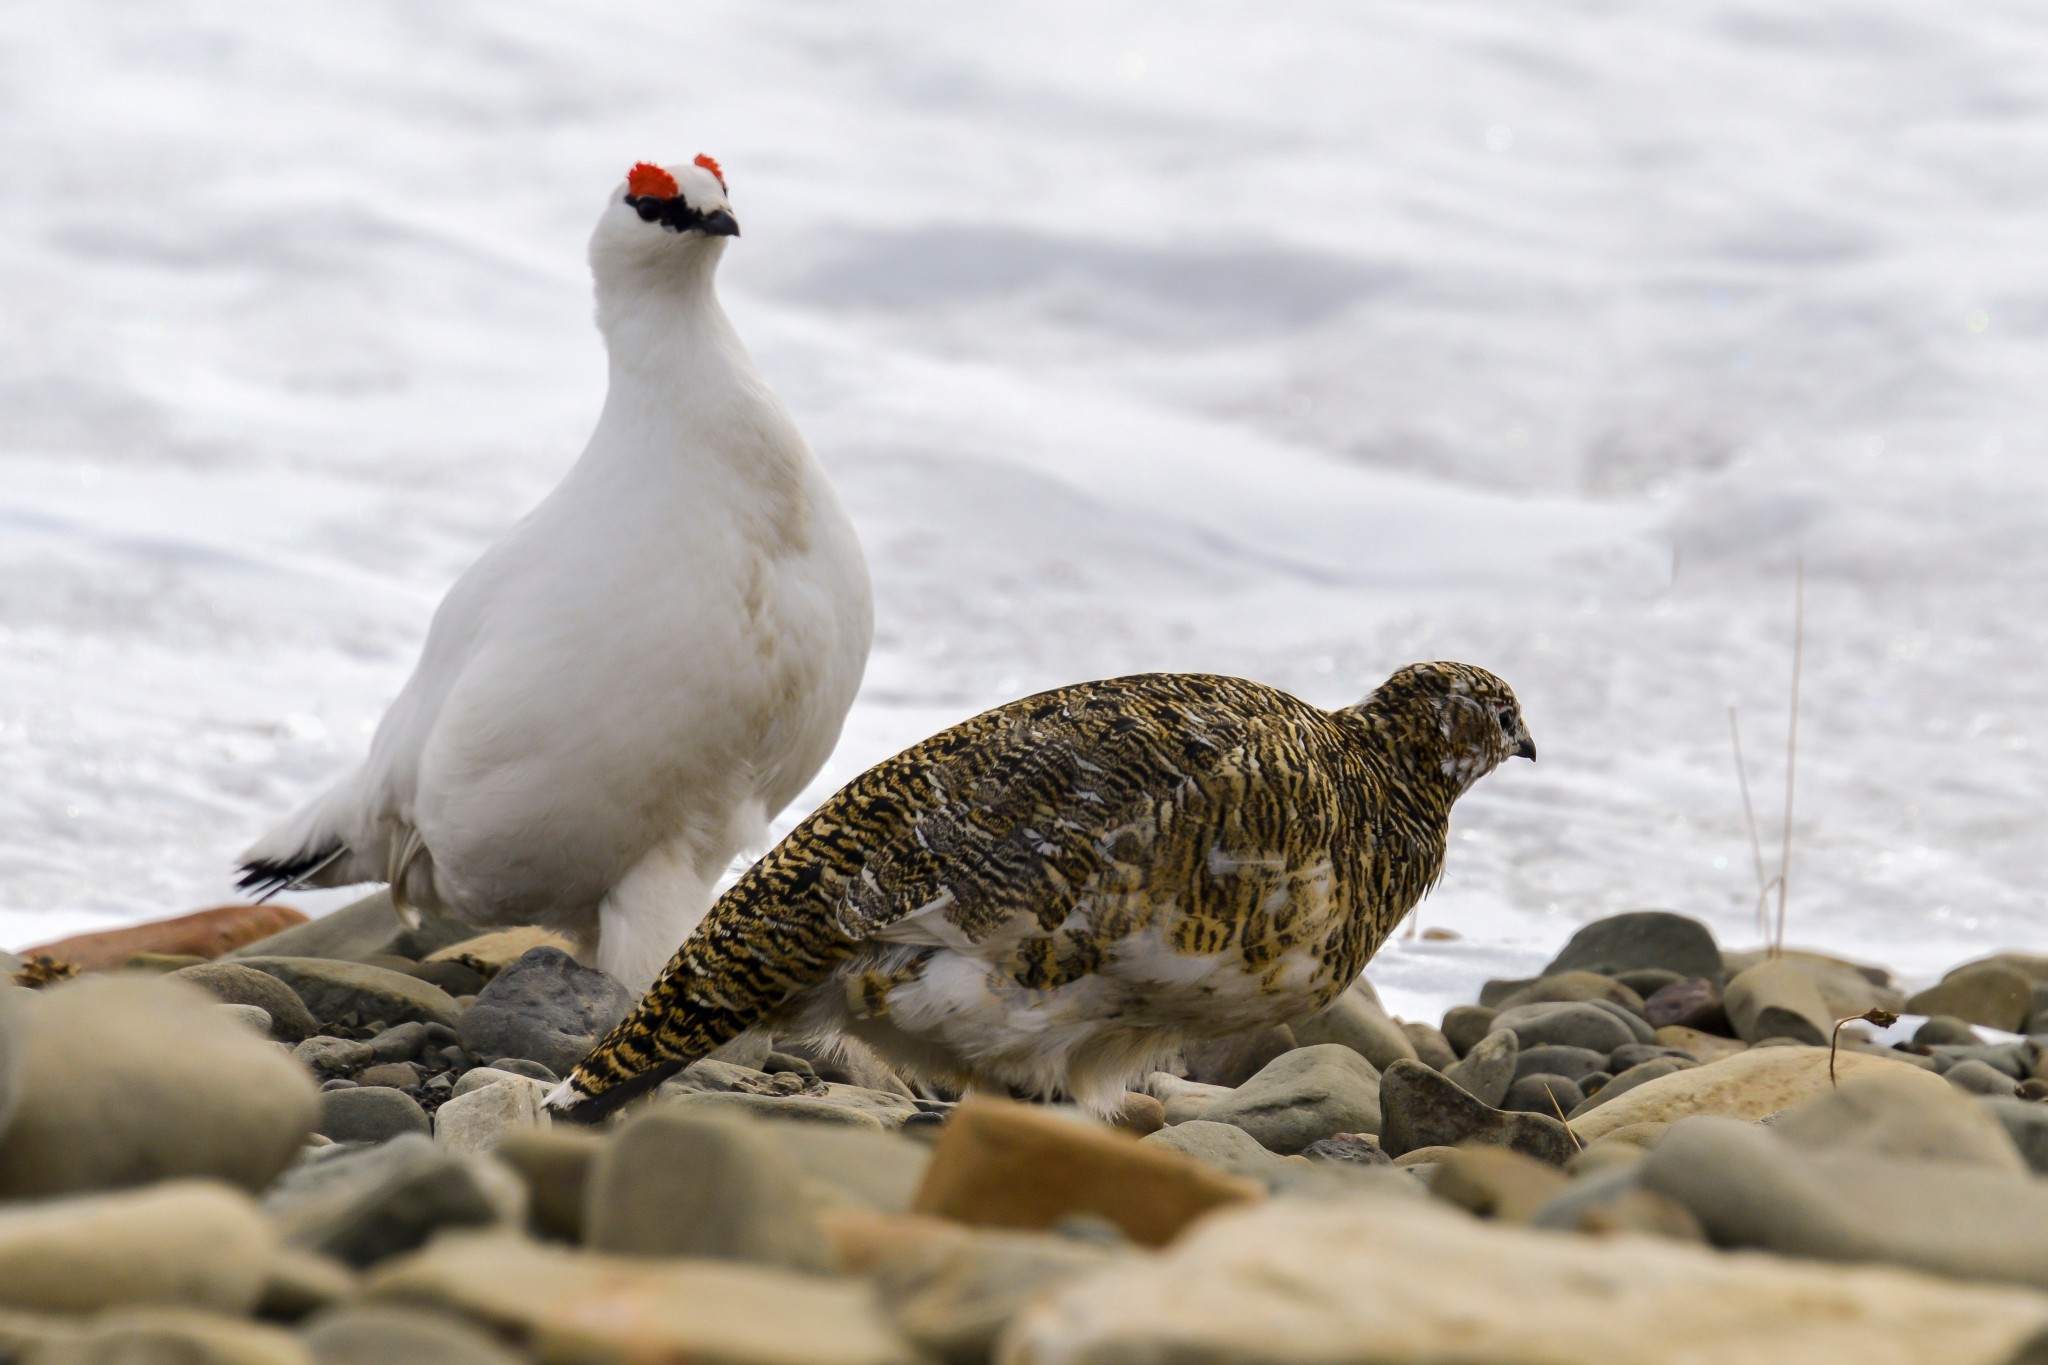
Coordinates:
1390 1280
492 953
578 1308
1746 1086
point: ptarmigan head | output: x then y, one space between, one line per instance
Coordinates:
1450 718
665 214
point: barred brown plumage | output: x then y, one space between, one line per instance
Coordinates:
1056 894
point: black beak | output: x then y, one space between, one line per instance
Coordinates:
1526 749
719 223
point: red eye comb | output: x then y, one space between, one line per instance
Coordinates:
652 182
711 165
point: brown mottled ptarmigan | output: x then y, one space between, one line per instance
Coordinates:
618 695
1055 895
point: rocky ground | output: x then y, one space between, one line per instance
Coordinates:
326 1146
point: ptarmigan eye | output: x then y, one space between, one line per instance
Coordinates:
1507 720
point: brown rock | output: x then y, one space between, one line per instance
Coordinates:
1424 1156
1494 1182
1990 994
203 933
1705 1047
1139 1115
999 1164
1694 1003
862 1239
1424 1108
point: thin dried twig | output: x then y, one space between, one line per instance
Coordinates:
1791 752
1881 1018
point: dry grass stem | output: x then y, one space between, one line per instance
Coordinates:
1552 1095
1756 843
1791 752
1881 1017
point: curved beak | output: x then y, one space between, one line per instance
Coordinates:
719 223
1527 748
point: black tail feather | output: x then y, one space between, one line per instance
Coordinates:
265 877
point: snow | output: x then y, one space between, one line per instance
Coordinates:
1296 343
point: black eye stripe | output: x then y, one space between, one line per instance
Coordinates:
674 214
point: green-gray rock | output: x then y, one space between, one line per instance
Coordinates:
674 1183
777 1108
1641 938
1888 1115
554 1164
1304 1095
954 1298
1991 994
856 1167
392 1334
130 1079
370 1113
190 1243
1360 1025
1749 1188
1776 999
174 1336
1226 1147
234 983
361 929
1488 1068
362 1204
357 993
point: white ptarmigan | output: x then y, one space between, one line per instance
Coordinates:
619 694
